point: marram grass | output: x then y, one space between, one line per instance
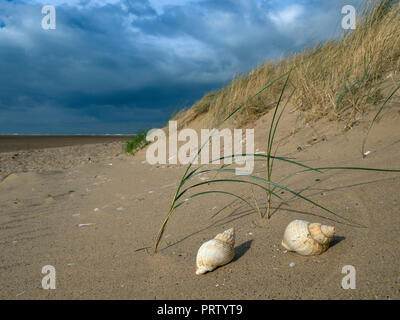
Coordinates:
339 79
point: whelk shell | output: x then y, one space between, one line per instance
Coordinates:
307 238
216 252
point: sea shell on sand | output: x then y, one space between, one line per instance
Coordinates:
216 252
307 238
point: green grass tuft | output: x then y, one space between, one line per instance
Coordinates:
137 142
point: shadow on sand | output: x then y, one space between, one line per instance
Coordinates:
242 249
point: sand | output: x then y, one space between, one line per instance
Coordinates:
92 218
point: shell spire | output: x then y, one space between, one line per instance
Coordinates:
227 236
216 252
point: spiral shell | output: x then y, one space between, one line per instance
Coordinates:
216 252
307 238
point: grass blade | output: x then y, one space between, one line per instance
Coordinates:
213 191
283 188
224 180
374 119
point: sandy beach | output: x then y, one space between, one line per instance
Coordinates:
92 212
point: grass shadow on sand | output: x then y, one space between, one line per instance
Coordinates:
218 223
317 191
242 211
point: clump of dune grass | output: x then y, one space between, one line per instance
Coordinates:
340 79
266 184
137 142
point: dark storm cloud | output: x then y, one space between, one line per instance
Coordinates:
116 66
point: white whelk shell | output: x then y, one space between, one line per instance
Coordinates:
307 238
216 252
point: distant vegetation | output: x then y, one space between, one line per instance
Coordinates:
137 142
340 80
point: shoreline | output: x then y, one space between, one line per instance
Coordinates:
11 143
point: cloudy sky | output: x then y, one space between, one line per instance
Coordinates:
117 66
